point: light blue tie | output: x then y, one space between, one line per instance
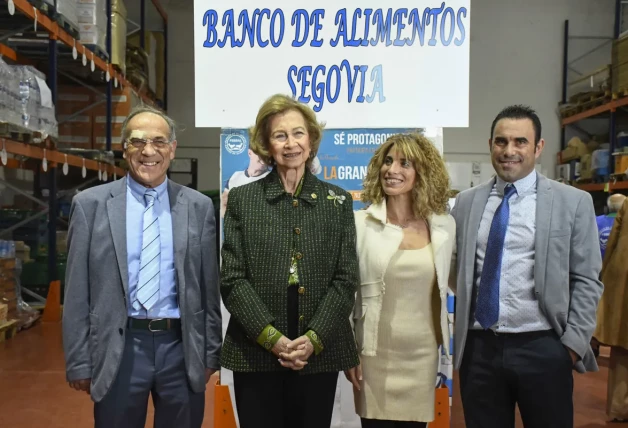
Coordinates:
148 284
487 308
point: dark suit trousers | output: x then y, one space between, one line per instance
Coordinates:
152 363
284 399
532 370
377 423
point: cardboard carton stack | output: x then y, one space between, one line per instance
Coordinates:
92 17
88 129
8 286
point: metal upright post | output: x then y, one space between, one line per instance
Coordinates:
52 171
612 131
565 77
142 23
109 83
166 65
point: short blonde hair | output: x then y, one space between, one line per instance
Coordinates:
431 190
259 134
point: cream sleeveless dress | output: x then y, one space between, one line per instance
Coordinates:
399 383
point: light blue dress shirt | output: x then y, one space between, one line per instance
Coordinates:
519 309
167 306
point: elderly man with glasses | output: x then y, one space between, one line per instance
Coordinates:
142 304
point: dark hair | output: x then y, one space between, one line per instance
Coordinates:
519 111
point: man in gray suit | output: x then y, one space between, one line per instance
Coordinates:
142 303
526 284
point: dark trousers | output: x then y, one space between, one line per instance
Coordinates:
153 364
532 370
376 423
284 399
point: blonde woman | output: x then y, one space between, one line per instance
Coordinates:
288 279
405 240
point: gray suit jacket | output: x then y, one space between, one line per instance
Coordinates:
96 284
566 269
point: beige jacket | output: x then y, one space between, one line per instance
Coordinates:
377 242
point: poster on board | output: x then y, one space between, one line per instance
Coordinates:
342 159
354 62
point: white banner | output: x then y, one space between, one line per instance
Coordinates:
355 63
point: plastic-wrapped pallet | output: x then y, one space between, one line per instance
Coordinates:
69 11
92 16
37 113
118 34
94 13
600 161
9 100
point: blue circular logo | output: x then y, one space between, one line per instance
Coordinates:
235 144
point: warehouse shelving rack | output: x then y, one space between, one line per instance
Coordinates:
20 16
608 109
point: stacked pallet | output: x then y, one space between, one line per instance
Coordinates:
8 286
619 70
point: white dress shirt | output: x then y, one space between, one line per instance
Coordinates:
518 307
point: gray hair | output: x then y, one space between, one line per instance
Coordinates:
148 109
614 202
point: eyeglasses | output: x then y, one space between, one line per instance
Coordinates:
140 143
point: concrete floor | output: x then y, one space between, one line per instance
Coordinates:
34 393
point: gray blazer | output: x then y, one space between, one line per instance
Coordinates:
566 270
96 284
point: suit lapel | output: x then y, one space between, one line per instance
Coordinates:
544 205
438 236
480 199
179 214
116 211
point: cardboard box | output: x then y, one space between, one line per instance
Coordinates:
4 312
101 144
77 126
92 14
7 264
7 285
100 125
76 141
120 104
71 99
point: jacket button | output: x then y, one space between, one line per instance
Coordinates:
302 318
295 203
301 290
297 230
299 256
121 332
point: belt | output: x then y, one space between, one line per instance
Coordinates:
154 325
530 334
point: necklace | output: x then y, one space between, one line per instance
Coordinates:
403 226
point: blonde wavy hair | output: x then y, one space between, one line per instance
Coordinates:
259 134
431 190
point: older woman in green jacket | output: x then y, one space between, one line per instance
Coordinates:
288 278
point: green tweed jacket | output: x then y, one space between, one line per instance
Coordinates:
262 226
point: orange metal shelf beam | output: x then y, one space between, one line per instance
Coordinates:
59 33
609 106
34 152
600 187
14 56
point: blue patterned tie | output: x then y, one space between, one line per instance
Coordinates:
487 308
148 284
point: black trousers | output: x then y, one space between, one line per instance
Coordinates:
532 370
376 423
284 399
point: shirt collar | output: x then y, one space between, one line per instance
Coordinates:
522 186
138 191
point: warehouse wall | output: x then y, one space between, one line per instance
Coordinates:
516 57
